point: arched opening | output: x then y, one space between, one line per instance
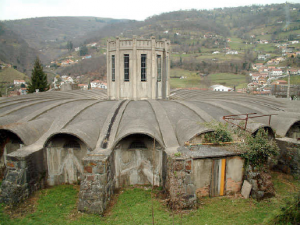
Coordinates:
64 153
138 161
201 138
268 130
294 131
9 142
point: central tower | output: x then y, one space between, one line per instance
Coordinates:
138 68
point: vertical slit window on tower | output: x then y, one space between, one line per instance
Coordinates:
126 67
158 68
113 68
143 67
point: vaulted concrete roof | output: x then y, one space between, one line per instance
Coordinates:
99 122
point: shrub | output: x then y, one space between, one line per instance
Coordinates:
220 134
258 148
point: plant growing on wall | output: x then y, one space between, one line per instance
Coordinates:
257 149
220 134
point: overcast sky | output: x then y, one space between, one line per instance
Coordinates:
117 9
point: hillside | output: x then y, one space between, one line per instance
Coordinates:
10 74
49 35
195 35
15 50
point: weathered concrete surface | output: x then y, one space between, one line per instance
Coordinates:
234 174
135 88
89 116
201 171
64 155
202 176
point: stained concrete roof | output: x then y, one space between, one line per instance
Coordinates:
88 115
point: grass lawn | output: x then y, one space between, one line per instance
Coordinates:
266 47
191 80
58 205
10 74
194 80
294 79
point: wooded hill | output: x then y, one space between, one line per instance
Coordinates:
192 32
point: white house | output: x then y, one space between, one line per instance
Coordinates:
19 82
219 87
95 84
232 53
83 86
275 72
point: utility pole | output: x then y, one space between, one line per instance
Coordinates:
289 84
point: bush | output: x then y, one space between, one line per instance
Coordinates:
289 213
258 148
220 134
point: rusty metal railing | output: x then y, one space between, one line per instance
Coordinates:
247 117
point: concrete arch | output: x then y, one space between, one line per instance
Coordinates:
294 130
271 132
64 158
67 134
9 142
117 141
11 133
140 164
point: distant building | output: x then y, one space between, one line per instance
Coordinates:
19 82
219 87
277 82
83 86
275 72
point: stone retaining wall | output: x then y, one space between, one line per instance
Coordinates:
23 176
97 183
289 157
179 183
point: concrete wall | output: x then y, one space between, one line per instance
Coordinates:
64 162
234 174
135 165
201 176
189 178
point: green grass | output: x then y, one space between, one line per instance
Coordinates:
228 79
266 47
294 79
192 80
10 74
57 205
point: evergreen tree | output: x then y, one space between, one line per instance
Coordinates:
83 50
69 45
38 78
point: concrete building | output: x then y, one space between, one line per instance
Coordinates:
138 68
84 136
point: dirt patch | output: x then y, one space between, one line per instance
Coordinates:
21 210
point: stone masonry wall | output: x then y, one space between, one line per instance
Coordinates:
97 183
289 158
22 177
179 183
